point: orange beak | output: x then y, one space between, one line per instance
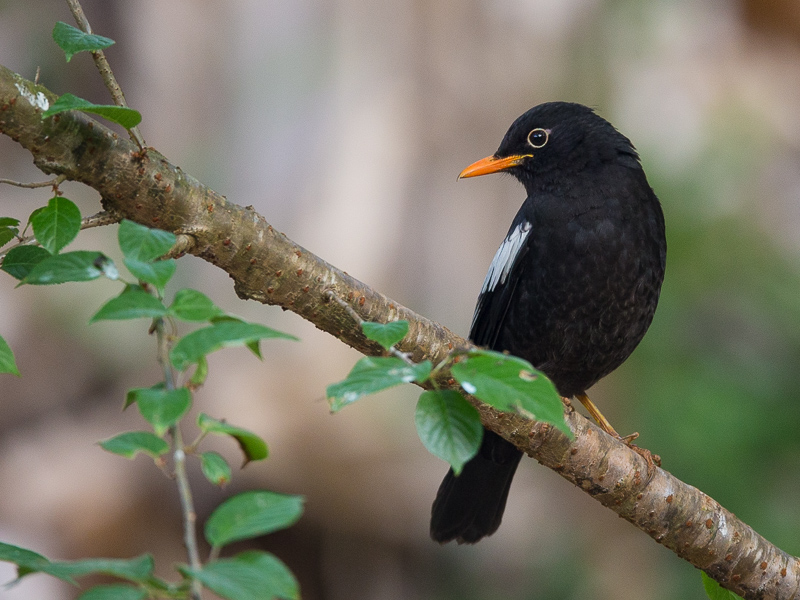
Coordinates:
490 164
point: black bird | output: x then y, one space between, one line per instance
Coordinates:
572 288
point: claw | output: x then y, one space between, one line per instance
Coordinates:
653 460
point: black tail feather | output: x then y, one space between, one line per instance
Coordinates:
470 506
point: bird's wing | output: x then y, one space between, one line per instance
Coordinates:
498 287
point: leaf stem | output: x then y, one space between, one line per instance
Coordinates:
105 69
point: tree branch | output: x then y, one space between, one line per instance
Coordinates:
268 267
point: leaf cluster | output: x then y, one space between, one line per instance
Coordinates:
447 424
248 575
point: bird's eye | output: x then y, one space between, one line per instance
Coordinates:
538 137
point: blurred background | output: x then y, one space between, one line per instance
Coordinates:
345 123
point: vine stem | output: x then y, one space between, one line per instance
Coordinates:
179 463
105 69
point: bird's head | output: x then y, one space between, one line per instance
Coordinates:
556 138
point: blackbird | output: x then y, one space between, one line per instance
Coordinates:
572 288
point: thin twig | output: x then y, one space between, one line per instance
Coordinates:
100 220
357 318
179 463
187 507
38 184
105 69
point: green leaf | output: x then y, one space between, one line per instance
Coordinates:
215 468
510 384
253 346
157 273
7 362
129 444
372 374
200 373
8 222
7 234
127 117
137 569
253 447
715 591
115 591
143 244
160 407
81 265
388 334
28 561
252 514
20 260
250 575
224 334
57 224
72 40
132 303
34 213
449 426
191 305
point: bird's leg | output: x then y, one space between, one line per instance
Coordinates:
652 460
601 420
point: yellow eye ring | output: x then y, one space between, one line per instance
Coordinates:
538 137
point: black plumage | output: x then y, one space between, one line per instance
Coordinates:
572 288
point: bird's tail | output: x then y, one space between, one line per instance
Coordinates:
470 506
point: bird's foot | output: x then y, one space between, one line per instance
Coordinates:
653 460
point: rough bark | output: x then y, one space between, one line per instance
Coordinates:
267 266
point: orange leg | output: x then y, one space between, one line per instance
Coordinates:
606 426
602 421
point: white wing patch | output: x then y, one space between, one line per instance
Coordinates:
505 257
